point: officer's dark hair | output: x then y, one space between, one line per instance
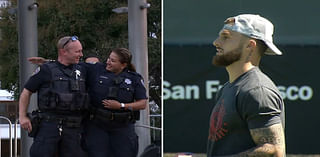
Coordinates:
125 57
91 55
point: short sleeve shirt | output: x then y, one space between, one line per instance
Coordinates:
40 76
251 101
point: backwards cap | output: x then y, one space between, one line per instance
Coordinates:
256 27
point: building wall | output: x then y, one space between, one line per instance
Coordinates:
198 22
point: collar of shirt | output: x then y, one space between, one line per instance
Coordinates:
65 66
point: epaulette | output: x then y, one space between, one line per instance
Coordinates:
134 73
49 65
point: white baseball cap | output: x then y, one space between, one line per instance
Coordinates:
256 27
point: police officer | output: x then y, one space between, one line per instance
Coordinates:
62 100
117 94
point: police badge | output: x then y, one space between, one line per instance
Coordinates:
127 81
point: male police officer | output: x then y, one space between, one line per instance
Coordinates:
62 100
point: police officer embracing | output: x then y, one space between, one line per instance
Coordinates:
117 94
62 101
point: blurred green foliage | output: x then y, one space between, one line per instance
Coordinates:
98 28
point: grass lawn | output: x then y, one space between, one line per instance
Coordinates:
203 155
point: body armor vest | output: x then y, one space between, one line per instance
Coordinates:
66 90
123 91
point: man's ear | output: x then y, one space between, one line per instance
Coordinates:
252 43
62 51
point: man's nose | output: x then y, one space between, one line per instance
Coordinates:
215 43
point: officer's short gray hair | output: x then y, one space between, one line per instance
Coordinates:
62 41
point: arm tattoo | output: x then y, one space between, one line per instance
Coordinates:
272 134
270 141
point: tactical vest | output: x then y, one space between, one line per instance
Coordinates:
123 91
65 92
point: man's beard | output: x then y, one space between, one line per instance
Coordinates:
227 58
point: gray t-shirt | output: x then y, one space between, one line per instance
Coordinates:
251 101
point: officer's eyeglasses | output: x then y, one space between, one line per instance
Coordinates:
73 38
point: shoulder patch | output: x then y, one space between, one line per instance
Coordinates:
36 71
142 82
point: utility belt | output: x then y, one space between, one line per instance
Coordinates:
66 121
106 116
69 121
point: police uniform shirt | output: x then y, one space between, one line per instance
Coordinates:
100 83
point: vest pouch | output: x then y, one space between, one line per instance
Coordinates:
65 101
113 93
47 102
82 101
74 85
53 100
126 92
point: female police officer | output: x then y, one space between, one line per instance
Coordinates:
117 94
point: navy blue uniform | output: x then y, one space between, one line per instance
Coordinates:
56 137
111 133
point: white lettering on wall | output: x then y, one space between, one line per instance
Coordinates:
189 92
293 93
212 87
177 92
166 92
192 89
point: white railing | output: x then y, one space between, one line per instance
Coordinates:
153 127
6 132
12 131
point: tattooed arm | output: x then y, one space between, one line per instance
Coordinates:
270 142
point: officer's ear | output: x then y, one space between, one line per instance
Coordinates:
62 51
123 65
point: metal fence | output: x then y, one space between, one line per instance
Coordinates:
153 126
11 135
154 149
10 132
